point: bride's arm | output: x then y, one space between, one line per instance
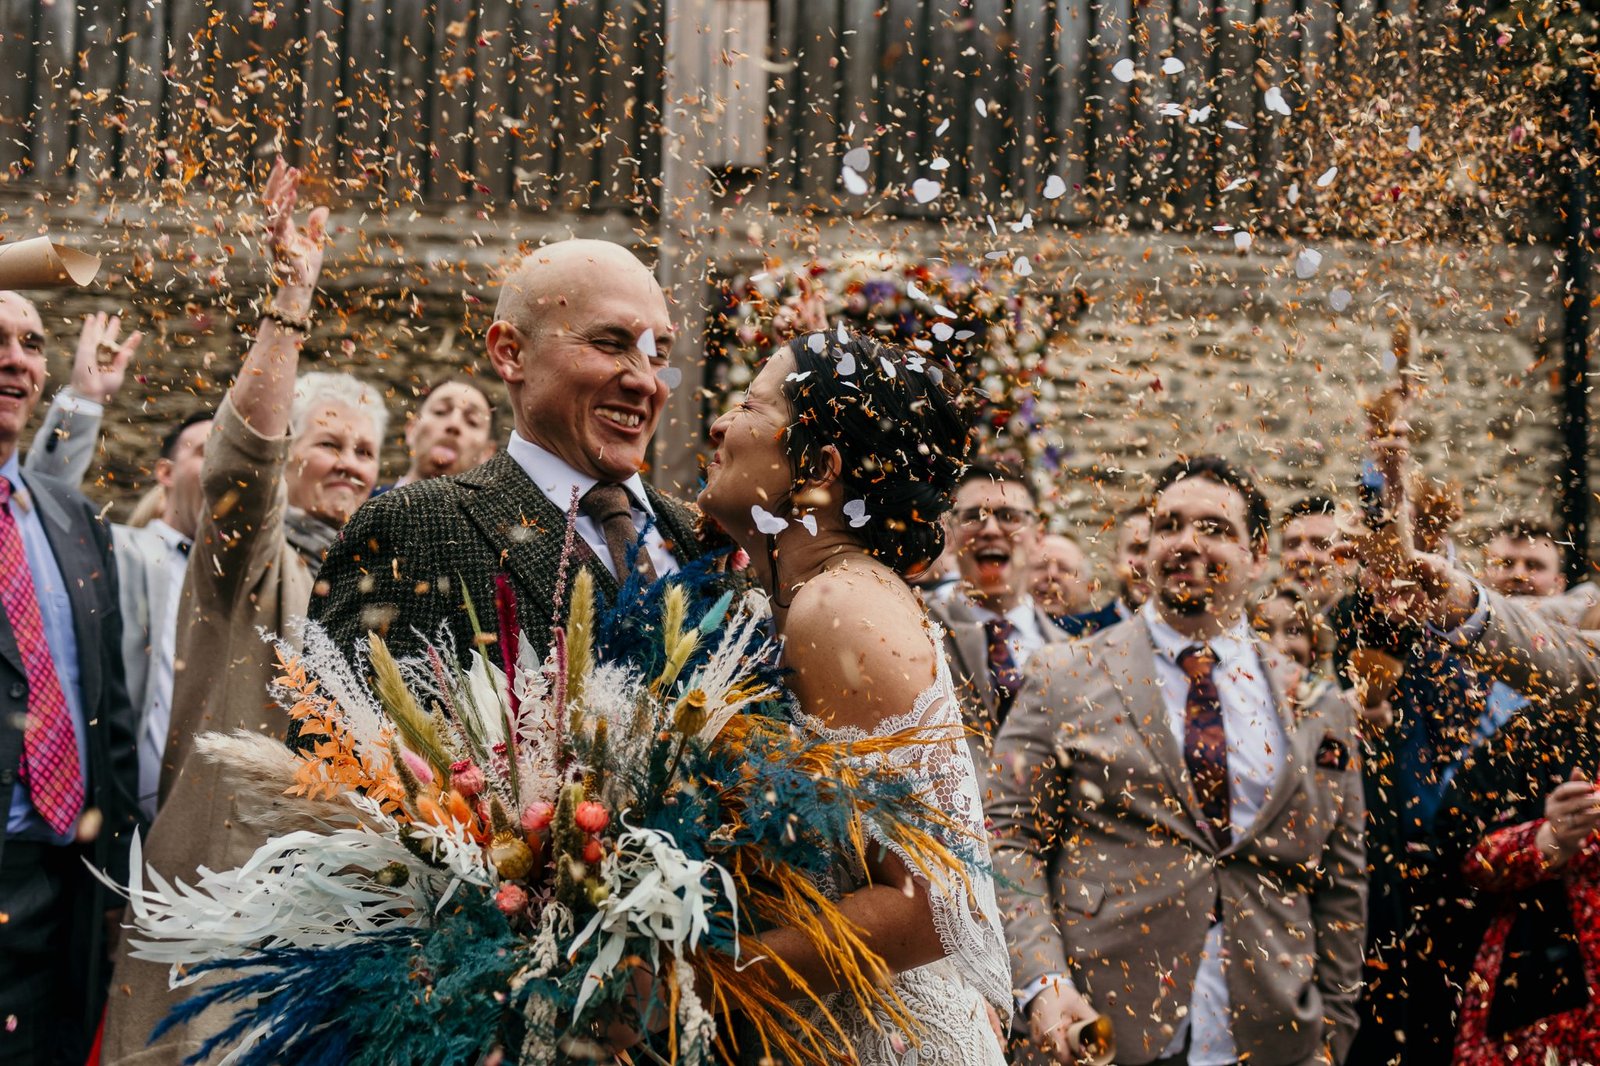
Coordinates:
860 654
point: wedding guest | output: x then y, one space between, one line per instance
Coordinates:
1171 810
1308 544
68 764
1523 558
64 445
582 339
287 461
1520 822
1133 544
992 624
451 432
1283 619
1060 576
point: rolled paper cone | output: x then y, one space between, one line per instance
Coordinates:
40 263
1375 674
1092 1040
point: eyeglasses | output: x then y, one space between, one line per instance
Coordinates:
1008 518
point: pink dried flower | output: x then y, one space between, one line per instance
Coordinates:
537 816
591 817
466 778
511 899
417 765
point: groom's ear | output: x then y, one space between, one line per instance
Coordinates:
505 351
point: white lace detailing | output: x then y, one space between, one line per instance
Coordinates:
976 966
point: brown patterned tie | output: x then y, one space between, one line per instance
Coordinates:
1205 741
611 507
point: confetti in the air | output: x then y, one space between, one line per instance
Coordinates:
858 159
854 183
1307 263
1054 187
926 190
1172 65
1339 299
1327 177
670 376
1123 71
856 510
766 521
1274 101
1022 267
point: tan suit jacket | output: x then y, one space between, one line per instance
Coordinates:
1105 873
1526 646
966 645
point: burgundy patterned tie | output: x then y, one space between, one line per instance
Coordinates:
1003 670
1205 741
49 741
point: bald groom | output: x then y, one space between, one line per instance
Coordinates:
581 336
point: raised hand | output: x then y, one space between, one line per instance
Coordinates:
100 365
296 252
1571 813
1054 1010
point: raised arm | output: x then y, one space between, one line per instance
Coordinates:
64 447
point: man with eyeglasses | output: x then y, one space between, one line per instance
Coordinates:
992 624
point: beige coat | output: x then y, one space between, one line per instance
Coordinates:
1105 873
243 578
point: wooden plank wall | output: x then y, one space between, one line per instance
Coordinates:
540 104
555 104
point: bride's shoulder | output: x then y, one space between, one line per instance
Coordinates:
859 646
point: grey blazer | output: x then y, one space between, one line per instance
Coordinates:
1105 873
64 446
966 645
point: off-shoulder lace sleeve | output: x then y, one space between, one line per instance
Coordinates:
964 908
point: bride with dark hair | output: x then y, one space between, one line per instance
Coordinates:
834 475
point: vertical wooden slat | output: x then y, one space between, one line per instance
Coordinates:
534 65
320 78
1110 120
1194 172
1152 133
98 76
577 108
411 49
450 109
1071 78
646 131
945 95
816 161
907 118
369 114
20 122
861 51
1030 30
1237 93
1277 51
188 59
783 94
145 88
989 170
494 101
617 90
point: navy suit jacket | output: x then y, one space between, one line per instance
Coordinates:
1089 623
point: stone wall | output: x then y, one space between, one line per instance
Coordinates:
1187 346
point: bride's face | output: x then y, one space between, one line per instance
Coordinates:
750 467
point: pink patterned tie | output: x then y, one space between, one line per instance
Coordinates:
49 743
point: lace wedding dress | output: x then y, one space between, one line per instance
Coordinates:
946 998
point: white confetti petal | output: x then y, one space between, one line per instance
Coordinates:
842 333
854 183
798 375
1327 177
1274 101
939 163
914 291
1172 65
767 522
1232 125
647 343
996 254
941 309
847 364
922 345
1242 241
1171 110
1414 139
943 331
1022 267
1236 183
888 367
1054 187
858 159
856 512
670 376
935 375
964 334
1307 263
1123 70
980 107
1200 116
1339 299
816 342
810 522
1025 223
942 127
926 189
1294 193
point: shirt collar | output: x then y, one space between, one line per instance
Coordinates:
11 470
556 479
1021 616
1228 646
171 537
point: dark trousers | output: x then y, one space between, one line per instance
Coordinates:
39 1008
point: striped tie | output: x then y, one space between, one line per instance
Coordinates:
49 742
1003 670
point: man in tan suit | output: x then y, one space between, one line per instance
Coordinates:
992 625
1178 820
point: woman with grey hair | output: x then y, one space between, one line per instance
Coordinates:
287 463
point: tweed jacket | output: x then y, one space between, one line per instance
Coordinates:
405 559
81 543
966 645
1105 872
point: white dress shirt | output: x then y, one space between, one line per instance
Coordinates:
1026 636
1256 746
163 648
557 480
